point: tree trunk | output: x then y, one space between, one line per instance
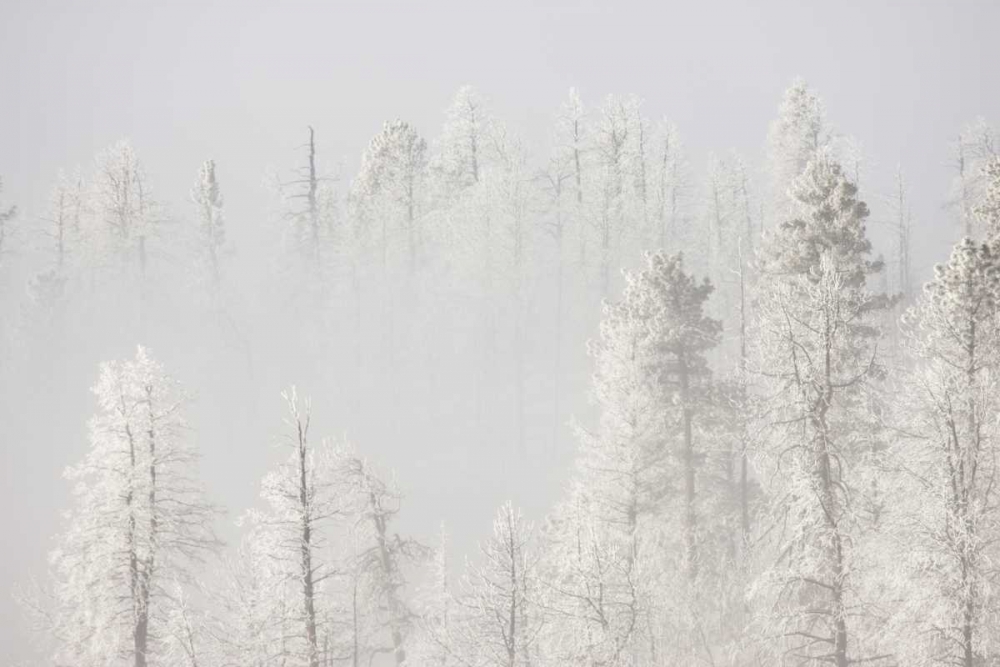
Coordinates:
389 576
308 588
744 440
690 515
829 503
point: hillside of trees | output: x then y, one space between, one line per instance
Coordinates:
737 426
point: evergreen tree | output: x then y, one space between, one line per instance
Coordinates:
817 359
795 138
987 211
459 159
640 471
976 146
946 497
390 187
211 231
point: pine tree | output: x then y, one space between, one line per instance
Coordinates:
682 334
987 211
817 361
211 232
458 162
976 146
635 489
947 501
795 138
62 232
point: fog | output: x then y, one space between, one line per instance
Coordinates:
413 214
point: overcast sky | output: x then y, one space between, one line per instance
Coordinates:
238 81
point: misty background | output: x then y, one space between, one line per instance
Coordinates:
241 82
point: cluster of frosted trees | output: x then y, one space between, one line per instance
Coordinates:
792 456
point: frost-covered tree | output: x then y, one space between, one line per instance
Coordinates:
307 208
732 223
616 165
211 231
623 464
463 219
186 641
903 225
596 585
729 228
390 189
500 621
67 203
947 496
485 192
561 189
794 139
976 146
640 173
61 244
701 451
853 158
681 335
7 215
817 362
140 523
123 204
508 248
459 162
306 498
987 210
253 616
635 490
388 205
437 608
382 558
567 178
571 140
124 228
670 184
